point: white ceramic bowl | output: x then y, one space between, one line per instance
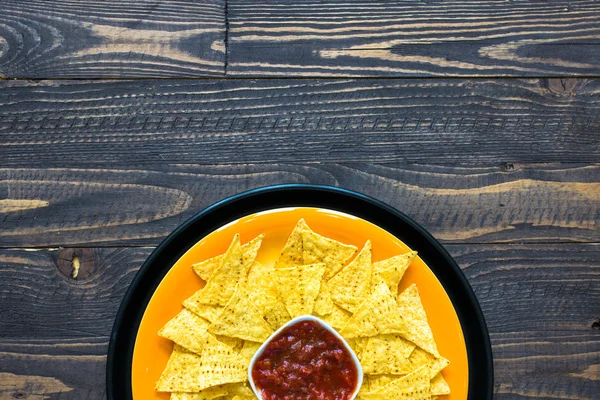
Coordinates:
324 325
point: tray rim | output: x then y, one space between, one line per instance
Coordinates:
152 271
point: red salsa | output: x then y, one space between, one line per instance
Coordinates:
305 361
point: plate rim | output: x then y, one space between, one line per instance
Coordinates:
152 271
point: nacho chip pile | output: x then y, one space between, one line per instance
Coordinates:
243 302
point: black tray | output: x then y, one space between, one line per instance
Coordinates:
122 340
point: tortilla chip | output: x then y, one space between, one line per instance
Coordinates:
210 393
206 311
249 349
243 390
181 372
192 396
241 319
187 330
418 330
298 287
250 250
319 249
219 364
263 294
387 354
357 345
351 286
392 270
324 304
414 386
354 346
338 317
225 391
206 268
439 386
292 253
420 357
238 397
373 383
235 343
378 314
221 284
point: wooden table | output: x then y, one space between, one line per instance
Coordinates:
121 119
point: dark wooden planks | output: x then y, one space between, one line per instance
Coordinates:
141 206
54 368
112 39
186 38
540 303
54 123
413 38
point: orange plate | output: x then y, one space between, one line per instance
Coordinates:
152 352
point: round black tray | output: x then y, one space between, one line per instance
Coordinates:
122 340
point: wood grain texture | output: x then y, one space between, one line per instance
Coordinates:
111 39
57 123
502 203
413 38
539 302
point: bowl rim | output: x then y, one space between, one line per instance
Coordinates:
294 321
156 266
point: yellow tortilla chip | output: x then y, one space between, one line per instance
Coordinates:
187 330
235 343
338 317
418 330
414 386
351 286
298 287
205 268
192 396
439 386
373 383
357 345
420 357
377 315
263 294
219 364
292 253
238 397
242 390
387 354
221 392
241 319
221 284
181 372
206 311
249 349
210 393
324 304
319 249
250 250
392 270
354 346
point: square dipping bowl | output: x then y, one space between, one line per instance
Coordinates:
321 323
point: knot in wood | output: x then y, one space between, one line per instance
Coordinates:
75 263
564 86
